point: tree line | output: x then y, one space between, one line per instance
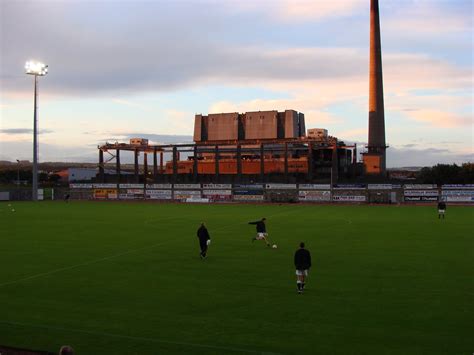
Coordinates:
447 174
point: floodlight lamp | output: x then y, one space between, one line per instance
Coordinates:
36 68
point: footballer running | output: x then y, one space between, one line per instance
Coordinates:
261 231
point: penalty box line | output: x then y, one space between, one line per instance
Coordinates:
81 264
111 256
131 337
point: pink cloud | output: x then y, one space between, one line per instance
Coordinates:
299 10
440 119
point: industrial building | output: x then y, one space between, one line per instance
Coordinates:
262 146
251 125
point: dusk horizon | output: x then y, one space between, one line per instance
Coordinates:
124 70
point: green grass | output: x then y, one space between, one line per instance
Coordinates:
125 278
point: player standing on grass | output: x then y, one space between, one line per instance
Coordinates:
261 231
302 264
441 209
204 240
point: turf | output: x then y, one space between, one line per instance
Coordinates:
125 278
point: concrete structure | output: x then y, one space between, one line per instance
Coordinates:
318 133
81 174
250 125
138 141
261 125
223 126
301 124
375 158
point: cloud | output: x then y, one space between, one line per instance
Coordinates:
153 138
440 119
131 104
409 72
397 157
428 18
315 116
358 133
299 10
114 62
12 150
19 131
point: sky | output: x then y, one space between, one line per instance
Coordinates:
121 69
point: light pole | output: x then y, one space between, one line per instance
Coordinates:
18 173
36 69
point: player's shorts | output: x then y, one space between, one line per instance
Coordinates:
302 272
441 211
261 236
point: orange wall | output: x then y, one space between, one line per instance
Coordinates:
372 164
229 166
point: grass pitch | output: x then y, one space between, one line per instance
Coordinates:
126 278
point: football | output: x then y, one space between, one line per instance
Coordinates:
274 246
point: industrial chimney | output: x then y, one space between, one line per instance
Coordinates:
375 158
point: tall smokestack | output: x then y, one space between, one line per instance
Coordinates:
375 161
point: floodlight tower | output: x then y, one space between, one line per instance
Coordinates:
36 69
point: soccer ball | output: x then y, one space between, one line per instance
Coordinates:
274 246
13 210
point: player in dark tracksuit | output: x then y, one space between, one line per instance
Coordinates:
261 231
204 240
441 209
302 264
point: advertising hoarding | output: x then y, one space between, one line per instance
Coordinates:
349 187
312 195
457 195
349 198
216 186
131 186
380 186
420 186
104 186
158 194
314 186
80 186
159 186
420 193
184 194
105 194
248 198
458 187
280 186
187 186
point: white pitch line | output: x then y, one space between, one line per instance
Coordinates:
217 347
81 264
108 257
